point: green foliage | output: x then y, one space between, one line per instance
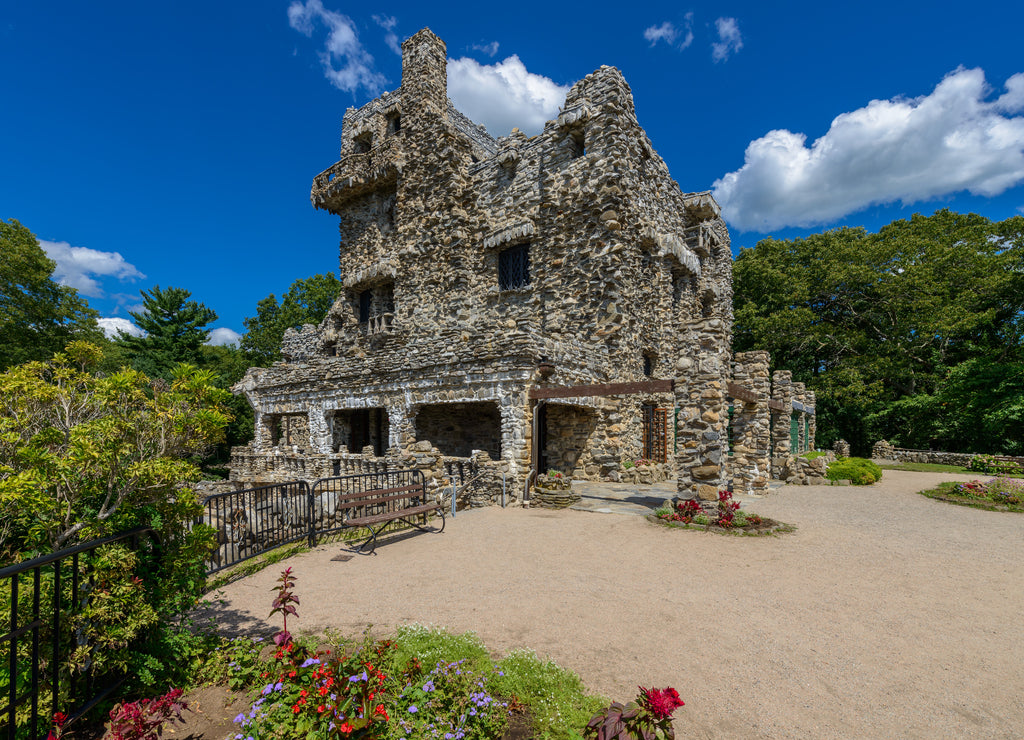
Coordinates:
306 302
993 466
175 331
556 697
37 316
83 455
857 470
912 334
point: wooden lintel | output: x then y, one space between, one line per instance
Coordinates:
776 405
604 389
741 394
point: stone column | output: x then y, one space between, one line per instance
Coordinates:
782 392
319 430
401 426
751 460
703 416
812 403
800 396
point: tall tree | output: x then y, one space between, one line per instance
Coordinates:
175 331
307 302
37 316
878 324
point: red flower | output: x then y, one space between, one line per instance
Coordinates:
660 702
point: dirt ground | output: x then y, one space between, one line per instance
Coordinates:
884 615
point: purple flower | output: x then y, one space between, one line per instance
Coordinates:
309 662
413 709
428 686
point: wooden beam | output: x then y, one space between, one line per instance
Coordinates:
776 405
741 394
604 389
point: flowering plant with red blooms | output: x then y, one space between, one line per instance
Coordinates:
727 509
145 719
648 717
59 720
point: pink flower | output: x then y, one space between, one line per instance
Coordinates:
660 702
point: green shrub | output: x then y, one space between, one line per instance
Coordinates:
992 466
857 470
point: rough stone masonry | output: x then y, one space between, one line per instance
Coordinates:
479 272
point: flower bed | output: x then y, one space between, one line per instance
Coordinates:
725 516
995 494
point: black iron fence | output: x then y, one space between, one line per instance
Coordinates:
49 655
255 520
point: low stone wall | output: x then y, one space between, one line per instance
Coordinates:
799 471
882 450
643 474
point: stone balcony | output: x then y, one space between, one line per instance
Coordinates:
356 174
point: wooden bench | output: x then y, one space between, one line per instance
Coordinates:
374 509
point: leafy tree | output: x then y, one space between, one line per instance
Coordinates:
878 325
37 316
175 331
83 455
307 302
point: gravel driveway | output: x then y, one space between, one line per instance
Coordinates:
885 614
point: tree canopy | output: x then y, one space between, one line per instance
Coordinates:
37 316
912 334
175 329
307 302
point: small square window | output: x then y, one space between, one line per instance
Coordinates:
514 267
363 143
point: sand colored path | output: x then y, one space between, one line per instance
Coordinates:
885 615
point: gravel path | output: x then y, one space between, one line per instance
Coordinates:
885 614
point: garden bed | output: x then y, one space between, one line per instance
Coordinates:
996 494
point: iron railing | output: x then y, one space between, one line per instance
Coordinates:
42 636
255 520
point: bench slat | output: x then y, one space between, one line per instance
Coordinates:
389 515
360 503
378 491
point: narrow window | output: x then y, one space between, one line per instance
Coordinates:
577 144
648 364
394 123
365 300
377 309
514 267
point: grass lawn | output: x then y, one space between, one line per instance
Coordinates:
924 467
991 497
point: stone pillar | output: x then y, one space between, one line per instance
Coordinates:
515 435
812 429
751 460
800 396
703 416
401 426
319 431
782 392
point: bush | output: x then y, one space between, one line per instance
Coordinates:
992 466
857 470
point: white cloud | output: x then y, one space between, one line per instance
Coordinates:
223 336
346 63
77 266
668 32
388 23
489 49
905 150
112 327
729 39
503 95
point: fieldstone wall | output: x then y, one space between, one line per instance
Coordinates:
882 450
841 448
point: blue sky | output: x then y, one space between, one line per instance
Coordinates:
175 143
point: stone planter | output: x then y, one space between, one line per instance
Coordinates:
556 496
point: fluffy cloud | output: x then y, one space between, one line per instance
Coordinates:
504 95
77 266
489 49
388 23
668 32
223 336
729 39
907 150
346 63
113 326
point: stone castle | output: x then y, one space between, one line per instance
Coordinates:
518 305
